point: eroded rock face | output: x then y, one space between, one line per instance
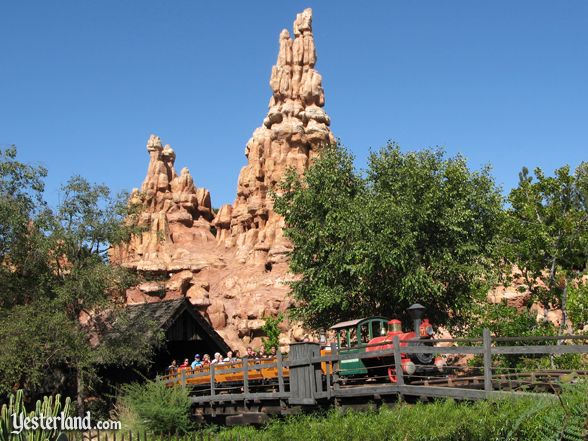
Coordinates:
295 127
232 265
175 214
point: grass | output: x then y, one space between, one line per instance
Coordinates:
535 418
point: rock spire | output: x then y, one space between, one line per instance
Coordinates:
295 127
174 213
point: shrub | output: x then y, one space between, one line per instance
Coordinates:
578 305
271 328
153 407
507 321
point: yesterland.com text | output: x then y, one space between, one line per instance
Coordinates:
61 422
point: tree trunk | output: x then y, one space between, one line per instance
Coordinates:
551 285
81 392
564 308
546 306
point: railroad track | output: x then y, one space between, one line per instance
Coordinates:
510 381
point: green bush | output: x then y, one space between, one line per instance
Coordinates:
507 321
152 407
578 305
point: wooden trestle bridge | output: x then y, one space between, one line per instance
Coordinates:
249 391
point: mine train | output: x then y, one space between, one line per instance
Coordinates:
354 336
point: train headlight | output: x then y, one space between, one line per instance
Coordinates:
429 331
440 363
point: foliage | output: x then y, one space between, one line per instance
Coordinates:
507 321
418 227
546 232
49 407
54 271
578 304
51 341
155 408
517 418
23 266
271 329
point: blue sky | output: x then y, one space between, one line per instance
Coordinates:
84 83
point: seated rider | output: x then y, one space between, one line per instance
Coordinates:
173 367
229 358
218 358
250 352
196 363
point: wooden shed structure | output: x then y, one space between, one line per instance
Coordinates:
186 331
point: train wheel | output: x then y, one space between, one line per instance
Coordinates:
392 375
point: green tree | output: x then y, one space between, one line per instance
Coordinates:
416 227
24 271
546 234
61 293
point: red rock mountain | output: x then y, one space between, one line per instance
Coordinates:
237 277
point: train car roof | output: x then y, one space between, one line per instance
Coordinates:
350 323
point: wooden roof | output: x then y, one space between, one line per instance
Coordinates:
350 323
166 312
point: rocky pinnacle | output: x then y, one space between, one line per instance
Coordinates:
295 127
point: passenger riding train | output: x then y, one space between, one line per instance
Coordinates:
370 334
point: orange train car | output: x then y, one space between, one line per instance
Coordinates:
258 372
200 376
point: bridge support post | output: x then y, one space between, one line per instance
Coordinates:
212 380
398 364
335 366
487 339
280 368
303 378
246 376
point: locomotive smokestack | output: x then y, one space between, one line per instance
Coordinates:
416 313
